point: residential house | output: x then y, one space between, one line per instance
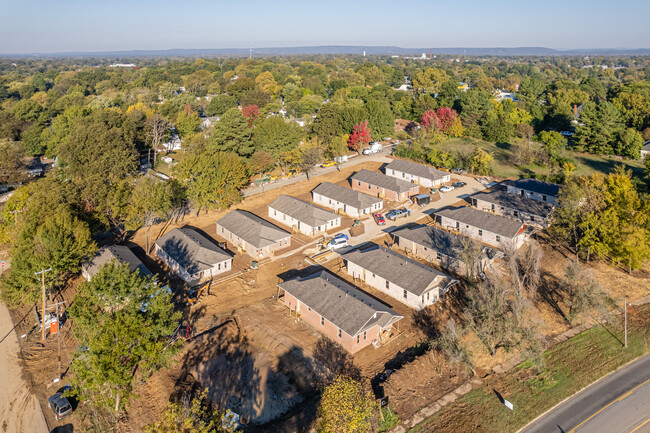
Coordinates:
252 234
207 122
351 202
483 226
305 217
114 253
191 255
382 186
400 277
534 189
421 174
645 150
532 212
443 248
339 310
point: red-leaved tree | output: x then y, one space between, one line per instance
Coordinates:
360 136
430 121
446 118
251 112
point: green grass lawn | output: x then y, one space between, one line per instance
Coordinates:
586 164
570 366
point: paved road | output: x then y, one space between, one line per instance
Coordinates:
318 171
618 404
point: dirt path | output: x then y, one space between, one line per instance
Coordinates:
19 409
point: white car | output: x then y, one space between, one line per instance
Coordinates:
446 188
338 242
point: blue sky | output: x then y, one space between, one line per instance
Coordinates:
38 26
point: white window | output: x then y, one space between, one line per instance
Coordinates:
438 256
364 335
498 238
480 232
405 294
339 334
322 321
387 284
358 183
358 339
544 198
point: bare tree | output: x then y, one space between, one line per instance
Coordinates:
487 314
523 267
448 342
158 128
582 291
471 256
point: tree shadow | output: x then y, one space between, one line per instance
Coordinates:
550 291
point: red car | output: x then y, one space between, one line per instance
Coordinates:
379 219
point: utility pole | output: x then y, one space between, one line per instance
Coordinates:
43 271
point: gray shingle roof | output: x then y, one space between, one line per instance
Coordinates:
254 230
419 170
302 211
115 252
449 244
407 273
646 146
483 220
345 195
516 202
339 302
191 250
381 180
538 186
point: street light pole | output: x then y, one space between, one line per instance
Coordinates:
43 271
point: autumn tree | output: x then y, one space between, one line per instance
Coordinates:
187 122
251 112
346 407
448 342
213 180
231 134
360 136
11 165
260 162
190 415
157 129
582 292
480 162
276 135
123 319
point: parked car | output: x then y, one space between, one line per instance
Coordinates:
446 188
396 213
328 164
375 147
433 191
291 173
458 171
338 241
60 405
379 219
459 184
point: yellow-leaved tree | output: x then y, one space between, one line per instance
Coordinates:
347 407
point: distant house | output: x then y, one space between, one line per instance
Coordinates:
483 226
534 189
305 217
173 144
645 150
516 206
400 277
207 122
118 253
351 202
339 310
382 186
418 173
254 235
442 247
191 255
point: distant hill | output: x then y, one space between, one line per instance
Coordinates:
349 49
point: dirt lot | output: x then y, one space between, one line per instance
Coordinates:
264 363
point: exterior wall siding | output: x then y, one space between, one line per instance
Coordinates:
524 217
337 206
218 268
484 236
304 228
250 249
427 183
379 192
330 330
531 195
393 290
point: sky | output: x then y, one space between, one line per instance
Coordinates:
39 26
